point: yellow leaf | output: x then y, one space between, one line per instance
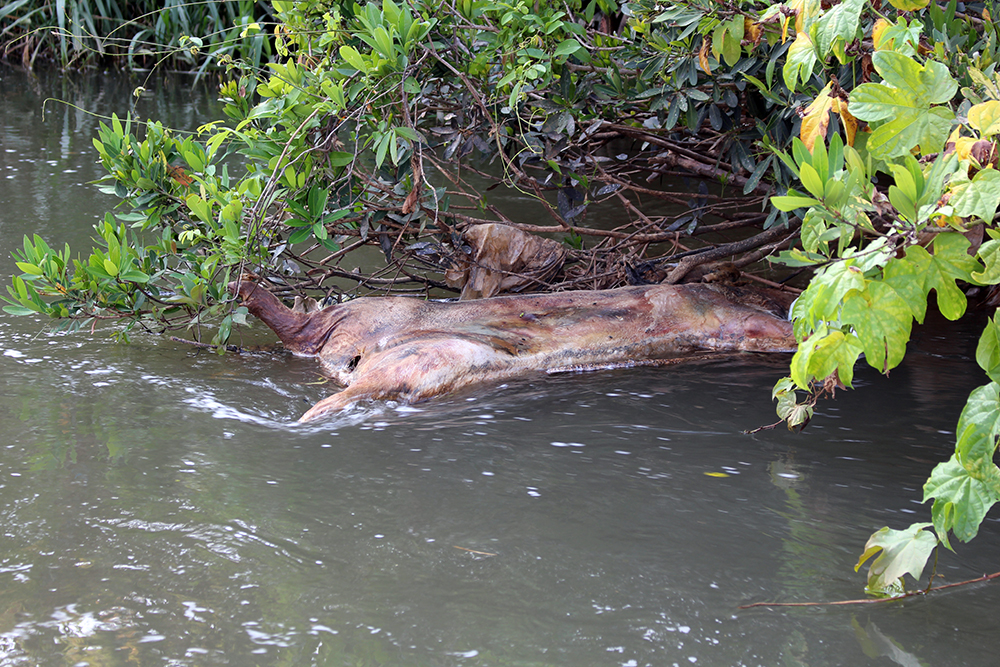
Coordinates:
985 117
877 31
909 5
784 30
963 147
849 122
703 57
816 119
751 30
717 474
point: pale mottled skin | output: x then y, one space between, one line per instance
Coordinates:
408 349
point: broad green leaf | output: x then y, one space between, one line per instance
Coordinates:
135 276
979 424
911 127
340 158
799 61
989 254
963 492
731 49
931 83
906 277
950 262
978 197
988 350
823 353
567 47
827 290
903 101
837 27
882 319
816 228
30 269
903 552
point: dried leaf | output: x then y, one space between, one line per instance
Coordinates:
703 57
816 119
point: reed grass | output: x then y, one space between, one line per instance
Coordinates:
175 34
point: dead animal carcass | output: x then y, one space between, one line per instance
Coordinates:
408 349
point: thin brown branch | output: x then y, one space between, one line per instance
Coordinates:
836 603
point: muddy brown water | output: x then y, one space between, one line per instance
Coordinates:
158 505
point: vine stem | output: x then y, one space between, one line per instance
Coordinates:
985 577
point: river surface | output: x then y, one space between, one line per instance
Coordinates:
158 505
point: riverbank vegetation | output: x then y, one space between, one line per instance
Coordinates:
132 35
851 144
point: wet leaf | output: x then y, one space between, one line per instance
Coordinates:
903 552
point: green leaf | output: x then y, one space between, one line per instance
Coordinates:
903 101
978 197
924 271
30 269
882 319
790 202
567 47
837 27
979 424
340 158
816 228
989 253
963 492
822 354
988 350
353 58
950 262
811 180
903 552
799 61
822 299
19 310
